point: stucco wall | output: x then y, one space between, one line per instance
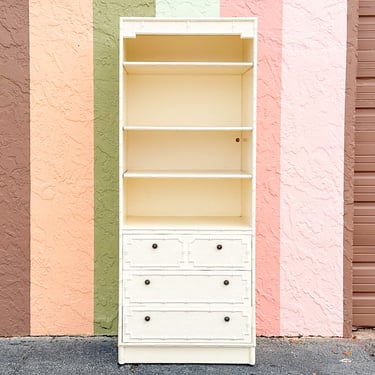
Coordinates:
61 70
14 169
106 31
269 13
71 213
187 8
312 167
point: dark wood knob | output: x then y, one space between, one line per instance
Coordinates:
147 282
154 245
227 318
226 282
219 247
147 318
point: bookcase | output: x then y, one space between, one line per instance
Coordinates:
187 136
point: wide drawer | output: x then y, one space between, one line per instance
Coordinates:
187 287
154 251
220 252
186 325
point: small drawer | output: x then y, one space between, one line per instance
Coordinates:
186 287
220 252
153 252
186 325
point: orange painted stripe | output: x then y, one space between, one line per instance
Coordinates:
61 72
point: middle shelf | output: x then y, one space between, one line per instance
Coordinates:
196 67
185 174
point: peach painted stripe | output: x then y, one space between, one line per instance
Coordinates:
269 13
61 50
312 162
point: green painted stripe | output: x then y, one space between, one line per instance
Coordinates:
106 32
191 8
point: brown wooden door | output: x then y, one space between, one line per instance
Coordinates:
364 176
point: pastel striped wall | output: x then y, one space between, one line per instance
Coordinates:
269 13
62 246
106 25
14 168
312 162
62 228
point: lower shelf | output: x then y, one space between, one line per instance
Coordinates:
146 353
186 222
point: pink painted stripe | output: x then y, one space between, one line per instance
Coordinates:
61 55
269 13
312 162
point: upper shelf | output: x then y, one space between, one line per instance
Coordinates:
235 68
186 174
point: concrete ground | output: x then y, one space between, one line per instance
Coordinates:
97 355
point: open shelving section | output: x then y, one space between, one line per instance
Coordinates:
187 126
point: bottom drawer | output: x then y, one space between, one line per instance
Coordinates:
186 325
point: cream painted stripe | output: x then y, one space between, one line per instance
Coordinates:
312 167
61 70
187 8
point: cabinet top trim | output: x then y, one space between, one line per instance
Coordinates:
245 27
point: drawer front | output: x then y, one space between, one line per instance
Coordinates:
186 325
153 252
220 252
187 288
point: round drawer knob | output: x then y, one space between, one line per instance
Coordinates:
219 247
154 245
147 318
226 282
147 282
227 318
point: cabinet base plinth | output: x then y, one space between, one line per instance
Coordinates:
186 354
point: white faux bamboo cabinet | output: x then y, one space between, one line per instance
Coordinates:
187 190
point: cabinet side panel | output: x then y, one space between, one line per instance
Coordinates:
106 59
269 13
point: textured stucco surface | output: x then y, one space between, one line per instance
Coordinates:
269 13
187 8
106 29
61 71
14 169
312 167
68 49
351 78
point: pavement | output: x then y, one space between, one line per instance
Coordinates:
98 355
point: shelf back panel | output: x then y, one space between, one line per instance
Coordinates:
184 197
176 150
183 100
